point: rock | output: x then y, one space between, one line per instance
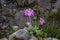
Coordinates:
31 1
54 10
8 4
4 39
3 3
35 7
22 34
57 4
33 38
20 18
50 38
11 5
20 2
4 26
24 2
45 4
0 39
15 27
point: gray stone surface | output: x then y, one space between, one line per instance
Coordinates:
20 18
22 34
4 26
50 38
57 4
4 39
45 4
33 38
15 27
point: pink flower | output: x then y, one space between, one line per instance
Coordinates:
42 21
29 12
28 23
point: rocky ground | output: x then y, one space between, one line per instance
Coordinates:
23 34
11 14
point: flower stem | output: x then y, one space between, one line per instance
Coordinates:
30 18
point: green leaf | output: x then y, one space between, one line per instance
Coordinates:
38 32
31 33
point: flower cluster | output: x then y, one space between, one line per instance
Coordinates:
28 23
42 21
29 12
34 29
